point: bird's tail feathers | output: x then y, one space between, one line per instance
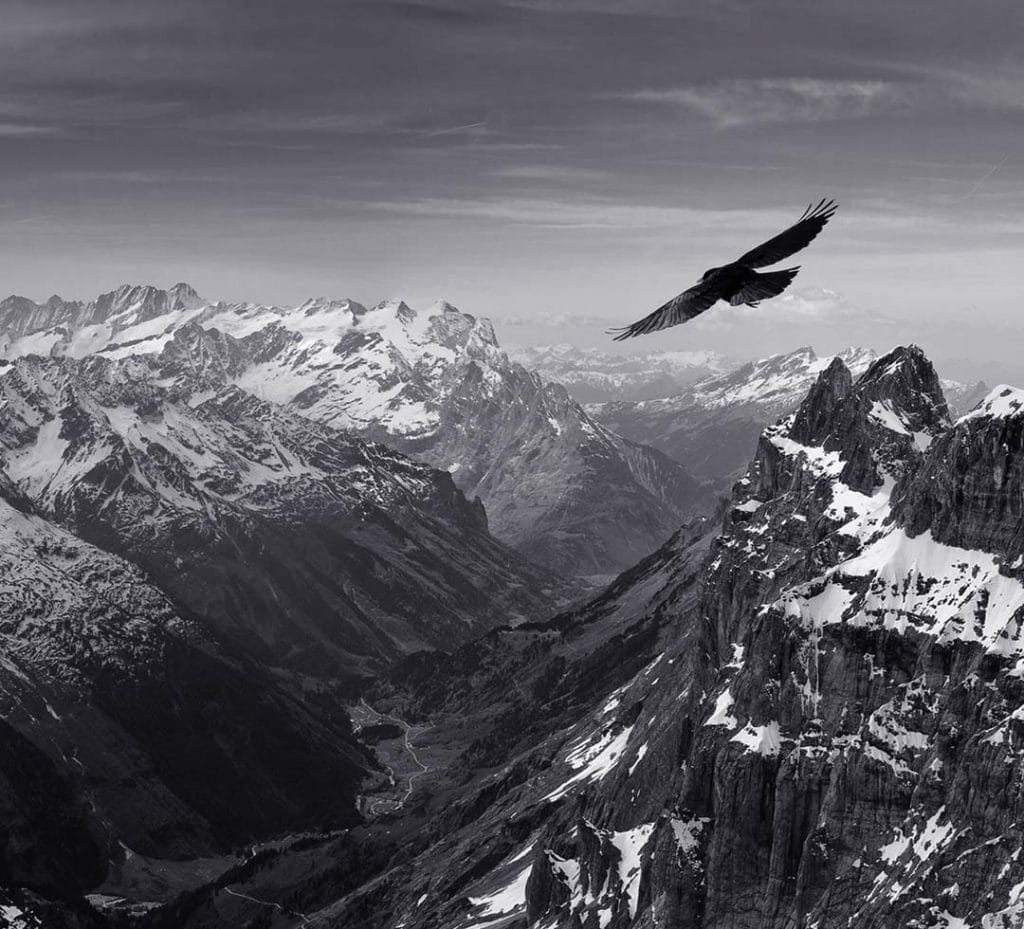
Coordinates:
765 285
772 283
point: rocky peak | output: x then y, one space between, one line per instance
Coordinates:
404 312
906 380
878 424
817 415
202 357
456 330
399 309
324 306
183 292
449 327
17 304
19 315
140 302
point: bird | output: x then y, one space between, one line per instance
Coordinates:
738 282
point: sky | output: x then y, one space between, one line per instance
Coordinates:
556 165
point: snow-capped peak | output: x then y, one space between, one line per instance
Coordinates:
324 305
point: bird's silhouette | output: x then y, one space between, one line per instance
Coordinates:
739 282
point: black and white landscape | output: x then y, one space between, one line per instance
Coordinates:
268 656
424 603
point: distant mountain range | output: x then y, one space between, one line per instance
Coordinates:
573 497
593 376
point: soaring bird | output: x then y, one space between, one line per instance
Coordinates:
738 282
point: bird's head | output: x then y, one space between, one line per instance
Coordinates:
708 273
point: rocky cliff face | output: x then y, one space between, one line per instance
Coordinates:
566 492
825 730
823 764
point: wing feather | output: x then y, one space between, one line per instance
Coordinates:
687 305
791 240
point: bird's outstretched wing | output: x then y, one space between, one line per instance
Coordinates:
796 237
679 309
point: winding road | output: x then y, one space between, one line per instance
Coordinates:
409 732
276 906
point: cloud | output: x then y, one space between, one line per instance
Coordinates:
569 214
736 103
805 307
554 321
276 121
559 174
25 130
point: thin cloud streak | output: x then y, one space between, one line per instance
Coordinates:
25 131
559 174
734 104
567 214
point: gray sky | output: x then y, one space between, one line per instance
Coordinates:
558 165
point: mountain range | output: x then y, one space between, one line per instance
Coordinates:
594 376
572 496
294 631
806 715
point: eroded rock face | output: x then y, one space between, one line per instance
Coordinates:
864 678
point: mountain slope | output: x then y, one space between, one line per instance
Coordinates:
572 496
563 491
125 726
310 549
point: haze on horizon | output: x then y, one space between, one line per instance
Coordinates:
556 165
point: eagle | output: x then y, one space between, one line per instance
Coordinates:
739 282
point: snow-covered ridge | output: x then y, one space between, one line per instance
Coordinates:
1004 402
777 378
222 446
432 383
355 367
